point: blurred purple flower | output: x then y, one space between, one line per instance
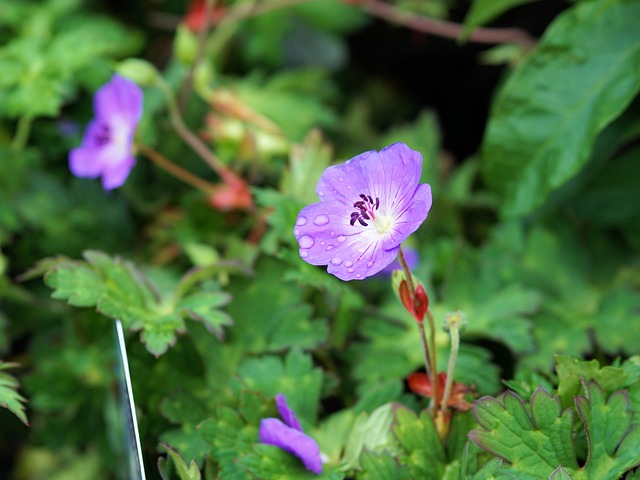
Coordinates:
107 145
290 437
368 206
410 255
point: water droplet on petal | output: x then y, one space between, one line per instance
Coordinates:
322 243
341 179
333 234
342 239
351 270
301 220
321 194
306 241
336 261
321 219
348 263
358 275
304 253
329 247
296 232
361 250
370 264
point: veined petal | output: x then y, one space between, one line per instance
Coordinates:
344 182
351 252
409 220
274 432
286 413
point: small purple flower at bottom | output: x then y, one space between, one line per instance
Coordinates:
107 145
368 206
290 437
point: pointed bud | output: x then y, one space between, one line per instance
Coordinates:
417 306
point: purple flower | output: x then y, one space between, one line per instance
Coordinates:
290 437
368 206
106 149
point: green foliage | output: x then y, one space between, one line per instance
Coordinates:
119 290
540 439
57 44
9 396
549 112
484 11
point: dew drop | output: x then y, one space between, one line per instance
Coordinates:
361 250
296 232
321 219
301 220
322 243
336 261
321 194
348 263
341 238
329 247
351 270
370 264
358 275
306 241
333 234
304 253
341 179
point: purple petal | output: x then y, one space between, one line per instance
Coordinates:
119 102
414 212
116 174
84 162
274 432
286 413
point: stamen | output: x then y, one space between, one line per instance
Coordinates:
364 210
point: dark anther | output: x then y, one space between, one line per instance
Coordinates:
359 205
364 210
377 203
363 197
362 222
370 199
365 216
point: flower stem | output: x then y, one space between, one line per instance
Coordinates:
454 333
175 170
433 374
226 174
428 346
23 130
185 90
446 29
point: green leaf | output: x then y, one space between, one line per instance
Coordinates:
382 467
617 322
613 439
547 116
534 442
119 290
184 471
483 11
9 396
296 378
267 461
560 474
421 449
370 433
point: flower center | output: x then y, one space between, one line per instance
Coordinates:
382 223
365 210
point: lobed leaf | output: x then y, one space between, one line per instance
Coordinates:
9 396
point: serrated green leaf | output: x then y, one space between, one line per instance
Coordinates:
267 461
184 471
613 439
533 443
370 433
296 378
76 282
202 306
560 474
382 467
546 117
9 396
421 449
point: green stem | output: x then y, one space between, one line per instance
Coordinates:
454 333
433 374
23 129
428 347
175 170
